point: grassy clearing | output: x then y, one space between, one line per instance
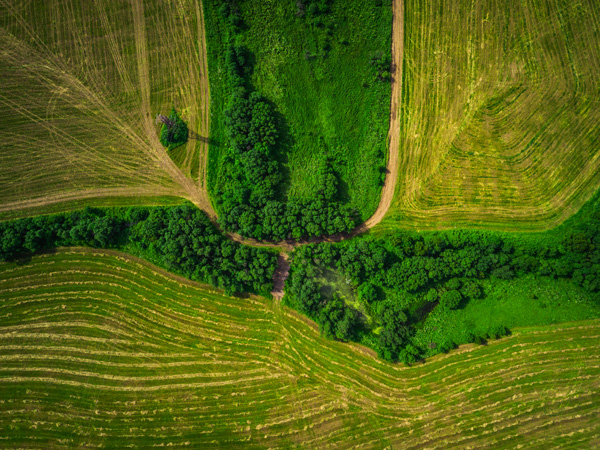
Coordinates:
323 86
332 281
528 301
99 348
80 87
500 114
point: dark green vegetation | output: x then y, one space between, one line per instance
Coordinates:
418 294
180 239
325 138
176 134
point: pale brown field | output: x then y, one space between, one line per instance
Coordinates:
80 86
500 113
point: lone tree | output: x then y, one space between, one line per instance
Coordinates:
174 131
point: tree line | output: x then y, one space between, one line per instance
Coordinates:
180 239
249 188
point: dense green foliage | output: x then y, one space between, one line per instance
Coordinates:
179 238
250 182
176 135
314 60
403 278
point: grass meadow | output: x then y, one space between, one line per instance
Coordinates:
500 114
80 86
100 349
321 81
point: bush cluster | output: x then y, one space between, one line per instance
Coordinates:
176 135
419 272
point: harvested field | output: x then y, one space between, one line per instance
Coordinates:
499 114
101 349
80 86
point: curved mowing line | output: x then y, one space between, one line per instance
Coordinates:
534 387
84 108
147 143
500 121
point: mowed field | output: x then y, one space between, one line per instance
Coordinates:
500 113
80 86
99 349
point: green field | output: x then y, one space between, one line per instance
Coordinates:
498 125
500 114
526 301
101 349
323 87
80 86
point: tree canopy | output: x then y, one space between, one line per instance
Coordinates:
176 134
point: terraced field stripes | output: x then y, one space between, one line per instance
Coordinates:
80 85
500 113
101 349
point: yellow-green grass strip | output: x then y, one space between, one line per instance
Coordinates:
100 348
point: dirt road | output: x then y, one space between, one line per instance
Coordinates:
387 192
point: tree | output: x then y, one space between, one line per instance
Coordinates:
472 290
367 292
432 295
450 299
498 331
176 134
337 320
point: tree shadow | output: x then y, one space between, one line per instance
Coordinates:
206 139
23 259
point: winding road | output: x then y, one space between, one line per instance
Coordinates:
145 140
389 186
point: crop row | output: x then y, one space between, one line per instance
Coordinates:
499 116
95 354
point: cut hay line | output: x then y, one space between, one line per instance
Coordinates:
136 378
124 284
307 390
43 349
122 388
136 365
290 387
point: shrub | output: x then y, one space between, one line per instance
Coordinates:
367 292
498 331
453 284
450 299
